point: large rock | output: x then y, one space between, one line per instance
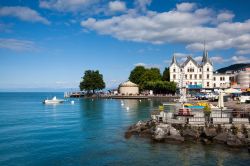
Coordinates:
146 133
174 138
161 131
174 132
234 141
210 132
221 137
190 134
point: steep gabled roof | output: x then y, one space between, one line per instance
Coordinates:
174 61
189 58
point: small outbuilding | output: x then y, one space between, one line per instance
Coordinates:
128 88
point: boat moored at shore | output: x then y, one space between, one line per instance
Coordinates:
54 100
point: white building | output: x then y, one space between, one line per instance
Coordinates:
221 80
128 88
199 75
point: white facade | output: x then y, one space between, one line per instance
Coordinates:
193 73
221 80
128 88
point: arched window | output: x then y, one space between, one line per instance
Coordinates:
208 69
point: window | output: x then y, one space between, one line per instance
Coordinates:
207 69
220 78
200 69
186 76
200 76
181 70
214 79
195 76
207 84
214 85
174 76
207 76
190 76
188 70
174 70
223 78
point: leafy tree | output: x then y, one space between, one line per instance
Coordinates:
136 74
152 74
166 74
92 80
161 87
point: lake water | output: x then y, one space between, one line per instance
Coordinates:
91 132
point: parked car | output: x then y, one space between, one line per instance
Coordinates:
245 97
201 96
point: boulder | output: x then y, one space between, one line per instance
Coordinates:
161 131
190 134
146 133
234 141
174 138
206 141
174 132
240 135
210 132
221 137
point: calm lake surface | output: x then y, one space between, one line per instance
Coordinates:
91 132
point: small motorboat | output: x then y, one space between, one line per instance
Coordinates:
54 100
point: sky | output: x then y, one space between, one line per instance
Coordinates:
46 45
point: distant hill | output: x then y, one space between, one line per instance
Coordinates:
233 67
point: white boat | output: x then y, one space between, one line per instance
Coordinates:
54 100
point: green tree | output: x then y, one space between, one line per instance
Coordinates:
161 87
166 74
136 74
92 80
152 74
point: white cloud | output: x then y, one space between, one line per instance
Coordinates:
241 59
198 58
140 64
186 24
148 65
184 7
181 55
117 6
141 5
17 45
225 16
67 5
23 13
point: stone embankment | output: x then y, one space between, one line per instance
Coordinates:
233 136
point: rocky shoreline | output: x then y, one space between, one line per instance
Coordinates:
233 136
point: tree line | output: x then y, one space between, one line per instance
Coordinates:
151 79
146 78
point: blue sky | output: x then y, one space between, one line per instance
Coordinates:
47 45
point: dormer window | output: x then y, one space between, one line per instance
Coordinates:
207 69
174 70
200 69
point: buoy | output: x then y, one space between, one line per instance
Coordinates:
72 102
122 104
127 108
140 100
